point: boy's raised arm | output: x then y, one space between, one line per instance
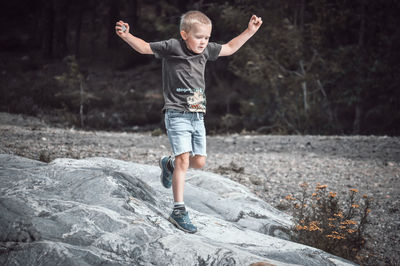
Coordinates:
232 46
136 43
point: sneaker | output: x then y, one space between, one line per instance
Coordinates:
181 220
166 174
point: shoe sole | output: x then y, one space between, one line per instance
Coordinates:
180 227
161 176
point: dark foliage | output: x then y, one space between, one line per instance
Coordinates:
315 67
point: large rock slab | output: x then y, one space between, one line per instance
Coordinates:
101 211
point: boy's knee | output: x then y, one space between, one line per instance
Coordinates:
198 162
182 161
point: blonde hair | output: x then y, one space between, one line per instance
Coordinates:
192 17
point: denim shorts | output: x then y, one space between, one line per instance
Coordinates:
186 132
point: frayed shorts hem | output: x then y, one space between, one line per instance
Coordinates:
192 154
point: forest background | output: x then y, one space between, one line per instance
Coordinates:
314 67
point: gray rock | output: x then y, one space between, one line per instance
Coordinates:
102 211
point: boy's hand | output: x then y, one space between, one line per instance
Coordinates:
122 29
254 23
139 45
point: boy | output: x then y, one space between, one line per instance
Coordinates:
183 64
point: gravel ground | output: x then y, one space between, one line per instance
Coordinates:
272 166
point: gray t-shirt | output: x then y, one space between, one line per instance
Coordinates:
183 74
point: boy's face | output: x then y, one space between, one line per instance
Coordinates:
197 38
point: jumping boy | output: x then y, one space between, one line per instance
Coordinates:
183 65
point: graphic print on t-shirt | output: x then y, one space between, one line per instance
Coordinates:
196 100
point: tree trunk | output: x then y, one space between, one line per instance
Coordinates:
304 86
46 28
113 18
61 27
78 30
81 103
358 107
357 119
133 14
298 13
326 100
361 32
94 30
301 15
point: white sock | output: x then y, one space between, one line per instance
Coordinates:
179 205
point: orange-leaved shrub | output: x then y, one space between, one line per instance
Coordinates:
324 222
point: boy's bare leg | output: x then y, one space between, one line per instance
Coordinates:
182 164
179 216
178 179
